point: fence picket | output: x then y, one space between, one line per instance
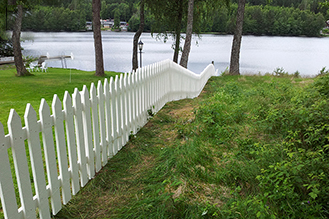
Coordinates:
101 108
8 197
21 166
115 115
50 158
71 143
61 149
107 98
88 139
97 125
124 110
33 130
82 160
121 114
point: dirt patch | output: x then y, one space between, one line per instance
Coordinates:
185 112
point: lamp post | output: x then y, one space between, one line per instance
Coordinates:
140 46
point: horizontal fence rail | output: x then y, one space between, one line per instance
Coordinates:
55 156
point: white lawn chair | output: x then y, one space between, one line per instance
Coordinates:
44 67
31 67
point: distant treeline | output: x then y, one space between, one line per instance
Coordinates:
269 20
54 19
259 20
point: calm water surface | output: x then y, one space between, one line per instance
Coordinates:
258 54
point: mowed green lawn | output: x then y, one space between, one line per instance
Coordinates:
16 92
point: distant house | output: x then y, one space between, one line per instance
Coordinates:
123 25
89 25
107 24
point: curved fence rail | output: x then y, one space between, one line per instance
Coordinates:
55 156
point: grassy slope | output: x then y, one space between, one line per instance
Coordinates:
212 157
16 92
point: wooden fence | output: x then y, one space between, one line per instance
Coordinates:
59 153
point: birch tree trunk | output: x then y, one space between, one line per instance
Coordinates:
188 39
235 53
96 5
137 35
16 37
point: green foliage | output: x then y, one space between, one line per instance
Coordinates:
54 19
6 48
270 20
282 143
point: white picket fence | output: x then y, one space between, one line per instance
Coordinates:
74 143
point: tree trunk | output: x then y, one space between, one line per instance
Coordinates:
235 53
137 35
178 30
188 38
16 37
96 5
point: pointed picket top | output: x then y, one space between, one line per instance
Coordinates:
121 81
92 89
13 120
67 101
106 87
30 116
93 94
100 88
125 78
116 83
44 108
111 86
85 96
8 197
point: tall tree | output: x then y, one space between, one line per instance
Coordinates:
96 7
137 35
16 38
235 53
188 38
178 29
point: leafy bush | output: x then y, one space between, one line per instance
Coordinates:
6 48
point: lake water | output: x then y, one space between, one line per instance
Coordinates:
259 54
